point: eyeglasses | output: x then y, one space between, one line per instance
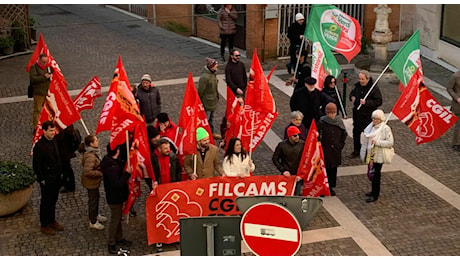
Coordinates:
295 135
237 55
332 82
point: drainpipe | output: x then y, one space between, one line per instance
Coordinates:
193 20
263 34
155 14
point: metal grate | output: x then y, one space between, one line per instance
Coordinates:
286 16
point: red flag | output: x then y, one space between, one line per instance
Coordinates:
234 115
142 142
57 107
311 166
134 184
120 111
259 107
423 114
192 116
39 49
85 100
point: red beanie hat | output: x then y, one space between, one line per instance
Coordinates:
292 130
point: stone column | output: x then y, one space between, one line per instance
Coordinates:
381 34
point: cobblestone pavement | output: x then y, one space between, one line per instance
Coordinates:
410 217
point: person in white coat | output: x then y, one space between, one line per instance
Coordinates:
377 137
236 162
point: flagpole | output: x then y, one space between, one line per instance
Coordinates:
340 101
300 53
177 133
127 149
84 126
373 85
252 133
194 163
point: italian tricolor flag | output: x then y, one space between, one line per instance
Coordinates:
407 59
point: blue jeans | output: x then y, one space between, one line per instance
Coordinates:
210 115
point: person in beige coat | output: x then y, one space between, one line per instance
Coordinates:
237 163
377 137
453 88
207 162
91 178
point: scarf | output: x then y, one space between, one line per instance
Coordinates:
165 168
94 150
337 121
43 67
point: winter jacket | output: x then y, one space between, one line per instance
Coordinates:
39 82
149 102
226 21
363 116
115 180
91 175
209 168
329 95
332 139
236 77
308 103
384 139
303 71
294 32
453 88
287 156
46 161
175 168
207 90
237 166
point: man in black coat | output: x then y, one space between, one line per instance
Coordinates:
235 74
295 35
68 141
287 156
47 167
363 116
116 192
307 100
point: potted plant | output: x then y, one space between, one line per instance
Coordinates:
33 31
16 183
7 45
19 35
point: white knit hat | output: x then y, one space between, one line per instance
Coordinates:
299 16
378 114
146 77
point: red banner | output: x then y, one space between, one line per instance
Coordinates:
85 100
204 197
57 107
192 116
312 168
259 108
423 114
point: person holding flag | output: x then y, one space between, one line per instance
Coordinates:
237 163
40 78
295 35
287 156
116 192
377 138
362 116
207 162
308 101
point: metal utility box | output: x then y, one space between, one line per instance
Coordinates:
303 208
210 236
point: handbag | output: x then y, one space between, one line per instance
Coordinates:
30 91
388 154
370 170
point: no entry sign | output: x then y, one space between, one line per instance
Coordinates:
269 229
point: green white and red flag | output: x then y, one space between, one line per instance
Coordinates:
335 29
323 62
423 114
407 60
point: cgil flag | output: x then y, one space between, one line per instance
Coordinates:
192 116
42 48
57 107
335 30
311 167
423 114
407 60
85 99
259 108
